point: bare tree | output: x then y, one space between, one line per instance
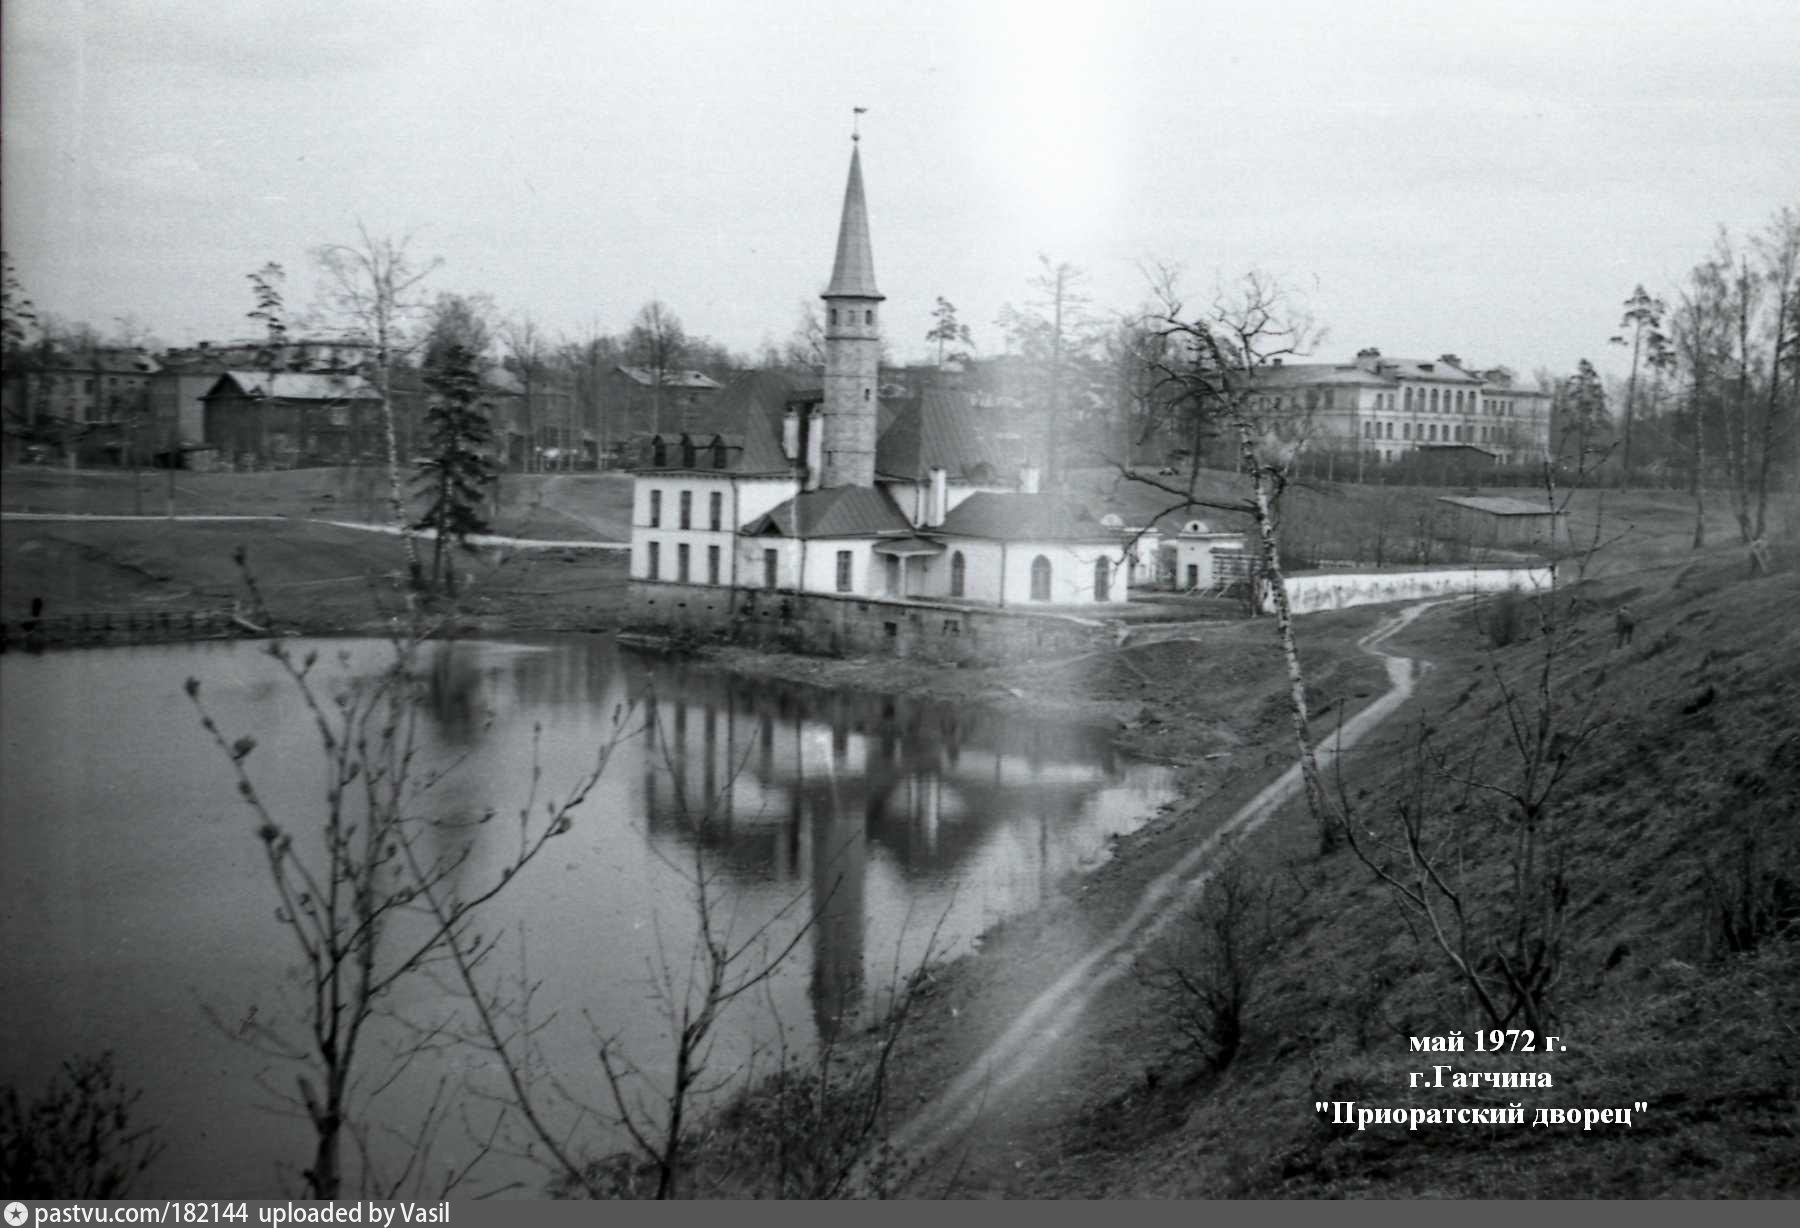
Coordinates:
1052 330
374 284
1778 250
384 895
526 351
804 349
1209 366
657 343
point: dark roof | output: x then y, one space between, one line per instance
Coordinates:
670 379
936 430
748 414
296 386
1021 517
853 271
1311 374
840 511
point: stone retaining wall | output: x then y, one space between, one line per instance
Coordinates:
1311 592
828 625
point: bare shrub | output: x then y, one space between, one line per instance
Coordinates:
1205 976
76 1140
1505 618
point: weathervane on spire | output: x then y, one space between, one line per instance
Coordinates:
856 123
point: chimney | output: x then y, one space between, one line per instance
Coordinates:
813 435
1275 362
790 434
1028 480
939 507
1369 358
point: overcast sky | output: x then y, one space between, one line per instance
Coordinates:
1485 179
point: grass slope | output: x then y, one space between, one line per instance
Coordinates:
314 577
560 506
1691 781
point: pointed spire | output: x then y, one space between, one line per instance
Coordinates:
853 273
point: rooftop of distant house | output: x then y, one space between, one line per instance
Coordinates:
670 379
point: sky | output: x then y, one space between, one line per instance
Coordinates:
1485 179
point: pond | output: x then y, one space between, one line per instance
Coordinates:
137 914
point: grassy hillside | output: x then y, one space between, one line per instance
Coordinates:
571 506
314 577
1678 830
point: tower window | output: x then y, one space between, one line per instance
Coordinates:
865 394
868 317
834 317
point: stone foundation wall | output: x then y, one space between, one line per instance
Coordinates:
860 626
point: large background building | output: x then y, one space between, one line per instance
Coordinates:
1391 408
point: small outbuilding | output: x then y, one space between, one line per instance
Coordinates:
1504 522
1203 556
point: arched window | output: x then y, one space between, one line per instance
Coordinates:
1409 400
959 570
1102 580
1040 578
869 317
834 317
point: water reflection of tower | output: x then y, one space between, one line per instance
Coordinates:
837 826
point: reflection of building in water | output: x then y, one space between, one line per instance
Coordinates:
837 848
803 786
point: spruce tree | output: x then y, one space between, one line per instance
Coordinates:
458 468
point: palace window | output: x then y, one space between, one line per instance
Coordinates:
681 562
656 560
1040 578
771 567
712 564
843 571
687 509
716 508
1102 580
959 568
656 509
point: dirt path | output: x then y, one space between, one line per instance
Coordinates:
945 1124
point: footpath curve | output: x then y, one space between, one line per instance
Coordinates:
948 1118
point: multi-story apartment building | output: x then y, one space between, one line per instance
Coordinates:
1388 408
